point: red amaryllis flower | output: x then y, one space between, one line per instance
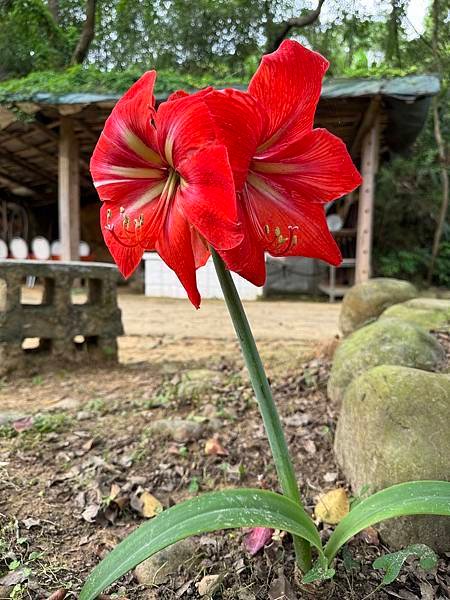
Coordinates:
165 182
284 169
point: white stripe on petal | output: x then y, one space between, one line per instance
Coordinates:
136 172
152 193
141 149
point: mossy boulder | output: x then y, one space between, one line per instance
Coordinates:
385 342
429 313
364 302
394 427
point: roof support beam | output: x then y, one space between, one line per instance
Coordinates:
369 167
15 186
51 135
68 191
366 124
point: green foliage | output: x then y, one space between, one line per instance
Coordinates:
90 79
255 508
408 201
413 264
210 512
29 38
51 423
392 563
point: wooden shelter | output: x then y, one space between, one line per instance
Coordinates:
46 143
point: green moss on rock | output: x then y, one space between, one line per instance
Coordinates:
366 301
429 313
394 427
385 342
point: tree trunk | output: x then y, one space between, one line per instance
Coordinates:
285 27
445 189
440 147
87 34
53 7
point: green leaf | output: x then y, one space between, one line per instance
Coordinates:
412 498
319 572
392 563
226 509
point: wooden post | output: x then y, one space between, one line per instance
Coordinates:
369 166
69 191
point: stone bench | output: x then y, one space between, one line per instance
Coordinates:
66 331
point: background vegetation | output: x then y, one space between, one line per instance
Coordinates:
66 45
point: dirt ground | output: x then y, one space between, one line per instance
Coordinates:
78 448
287 333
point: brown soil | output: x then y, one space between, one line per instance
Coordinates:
70 459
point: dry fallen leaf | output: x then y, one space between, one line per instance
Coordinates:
370 536
23 424
281 589
114 491
213 447
151 506
13 578
90 513
30 522
332 506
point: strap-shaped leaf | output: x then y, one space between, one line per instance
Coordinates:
412 498
226 509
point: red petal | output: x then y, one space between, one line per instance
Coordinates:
125 162
287 84
247 259
240 122
127 256
257 538
183 127
317 167
133 227
200 249
207 196
288 228
175 248
182 94
177 95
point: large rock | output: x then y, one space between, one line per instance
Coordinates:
394 427
156 570
366 301
429 313
385 342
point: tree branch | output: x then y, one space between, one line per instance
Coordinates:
296 22
87 34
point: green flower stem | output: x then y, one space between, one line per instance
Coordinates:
267 407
